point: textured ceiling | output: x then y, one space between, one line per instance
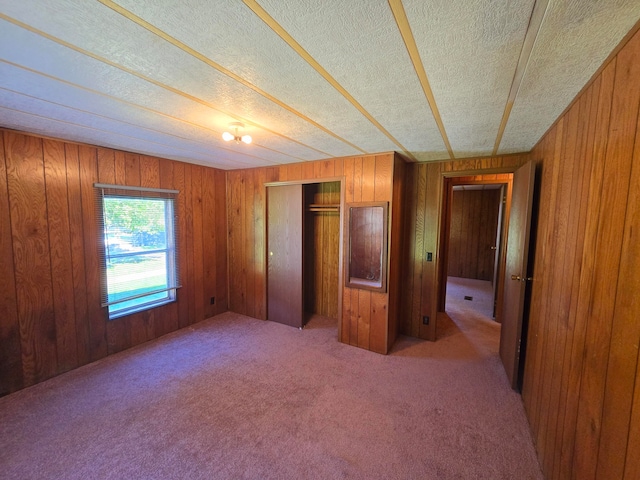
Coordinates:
435 79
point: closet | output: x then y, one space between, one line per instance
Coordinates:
303 251
321 248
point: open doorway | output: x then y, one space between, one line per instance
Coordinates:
474 241
472 254
513 253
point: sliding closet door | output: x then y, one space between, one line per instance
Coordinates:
284 255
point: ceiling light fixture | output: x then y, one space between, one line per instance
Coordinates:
236 127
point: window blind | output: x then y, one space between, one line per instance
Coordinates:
138 247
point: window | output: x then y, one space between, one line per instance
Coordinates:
139 265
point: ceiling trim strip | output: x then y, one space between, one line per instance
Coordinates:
407 36
151 80
136 106
194 53
278 29
538 13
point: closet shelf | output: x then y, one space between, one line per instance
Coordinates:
330 207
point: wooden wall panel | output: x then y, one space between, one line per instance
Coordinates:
632 464
197 173
60 253
369 179
247 261
50 315
559 286
623 148
431 241
415 188
567 298
396 248
565 433
331 247
209 235
363 319
220 246
76 228
581 372
188 291
11 377
322 241
474 224
327 251
237 244
249 233
349 330
31 258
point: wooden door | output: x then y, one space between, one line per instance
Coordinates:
284 255
516 273
497 248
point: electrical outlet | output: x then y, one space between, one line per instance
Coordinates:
425 320
429 256
213 300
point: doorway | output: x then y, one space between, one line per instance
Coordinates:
321 248
304 252
475 234
513 253
478 249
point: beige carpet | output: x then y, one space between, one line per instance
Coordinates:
238 398
478 293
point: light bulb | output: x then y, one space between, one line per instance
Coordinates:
226 136
246 139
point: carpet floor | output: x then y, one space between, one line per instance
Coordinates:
238 398
470 294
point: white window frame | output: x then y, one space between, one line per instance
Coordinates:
169 197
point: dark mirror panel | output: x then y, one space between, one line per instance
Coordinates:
367 237
366 243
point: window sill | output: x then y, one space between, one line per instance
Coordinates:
140 308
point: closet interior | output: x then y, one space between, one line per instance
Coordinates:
321 248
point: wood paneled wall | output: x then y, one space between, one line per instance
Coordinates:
321 249
50 315
246 217
422 223
582 376
365 314
396 250
473 231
